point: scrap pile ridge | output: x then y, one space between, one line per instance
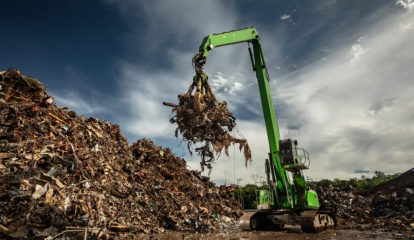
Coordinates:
59 170
354 209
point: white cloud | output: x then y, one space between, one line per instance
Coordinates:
362 38
143 97
285 17
406 27
357 51
76 103
236 87
407 4
218 81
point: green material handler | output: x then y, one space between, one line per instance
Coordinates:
284 202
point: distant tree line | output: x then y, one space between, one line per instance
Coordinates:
364 182
249 193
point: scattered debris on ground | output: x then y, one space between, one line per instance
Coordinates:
386 212
211 126
59 170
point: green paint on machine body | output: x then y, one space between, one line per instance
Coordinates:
312 199
284 195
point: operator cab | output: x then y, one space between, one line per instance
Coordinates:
291 157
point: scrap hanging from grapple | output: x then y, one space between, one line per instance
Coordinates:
211 126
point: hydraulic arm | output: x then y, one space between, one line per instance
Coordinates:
250 35
284 156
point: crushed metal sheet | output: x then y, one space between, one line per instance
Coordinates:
40 191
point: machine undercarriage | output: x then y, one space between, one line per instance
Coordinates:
311 221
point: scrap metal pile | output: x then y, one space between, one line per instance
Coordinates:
211 125
386 212
58 169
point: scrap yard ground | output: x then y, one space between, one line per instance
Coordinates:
291 232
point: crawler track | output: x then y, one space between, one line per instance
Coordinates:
245 221
316 221
311 221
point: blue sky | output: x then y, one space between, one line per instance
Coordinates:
341 71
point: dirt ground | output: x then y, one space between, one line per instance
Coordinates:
291 232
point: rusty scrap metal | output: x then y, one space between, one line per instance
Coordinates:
211 126
354 209
53 177
169 104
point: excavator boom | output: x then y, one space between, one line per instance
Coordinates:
250 35
283 202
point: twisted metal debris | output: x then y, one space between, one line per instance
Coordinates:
355 209
211 125
60 170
